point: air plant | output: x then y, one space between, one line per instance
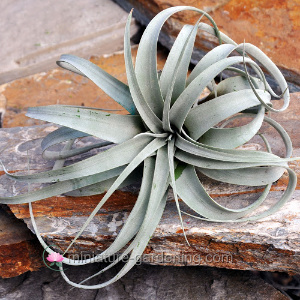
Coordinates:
169 132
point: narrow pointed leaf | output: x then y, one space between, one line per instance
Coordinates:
247 176
146 113
137 247
273 209
220 108
102 179
207 163
266 62
131 226
53 155
114 157
169 67
227 154
181 53
183 104
109 84
177 83
60 135
194 195
146 66
136 161
210 58
110 127
230 138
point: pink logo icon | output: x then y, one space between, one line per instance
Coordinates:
55 257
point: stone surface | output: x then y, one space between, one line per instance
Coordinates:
2 108
271 244
273 26
59 86
19 250
144 283
34 33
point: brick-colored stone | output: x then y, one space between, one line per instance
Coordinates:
19 249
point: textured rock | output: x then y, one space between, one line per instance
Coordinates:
271 244
34 33
2 107
145 282
273 26
19 250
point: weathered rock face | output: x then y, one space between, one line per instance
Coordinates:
271 244
273 26
144 283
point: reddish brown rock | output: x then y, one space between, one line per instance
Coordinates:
273 26
19 249
68 206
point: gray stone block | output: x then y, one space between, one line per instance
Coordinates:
34 33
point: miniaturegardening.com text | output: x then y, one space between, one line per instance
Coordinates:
159 258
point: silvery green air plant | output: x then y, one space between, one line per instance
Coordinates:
169 133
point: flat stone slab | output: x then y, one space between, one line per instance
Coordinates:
34 33
270 244
271 26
